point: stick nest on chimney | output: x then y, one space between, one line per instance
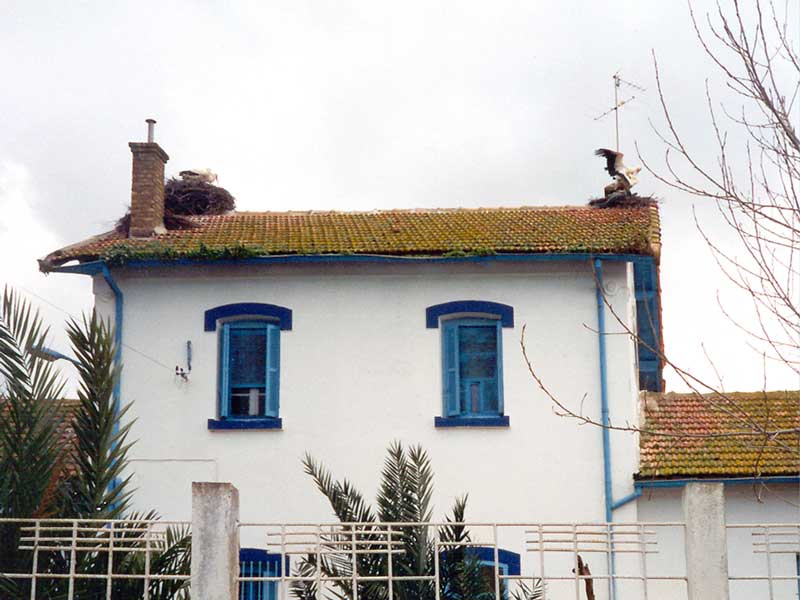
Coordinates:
183 199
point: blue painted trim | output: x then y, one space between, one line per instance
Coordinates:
248 309
90 268
504 311
648 325
679 483
246 423
119 299
505 557
605 422
637 493
601 340
498 421
51 354
260 555
500 395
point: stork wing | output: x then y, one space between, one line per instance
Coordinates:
613 160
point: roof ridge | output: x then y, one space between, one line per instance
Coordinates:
754 393
421 210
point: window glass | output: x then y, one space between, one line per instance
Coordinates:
477 358
249 369
471 357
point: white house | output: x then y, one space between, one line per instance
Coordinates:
334 334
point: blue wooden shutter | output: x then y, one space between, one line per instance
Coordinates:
225 377
450 368
254 562
273 369
499 371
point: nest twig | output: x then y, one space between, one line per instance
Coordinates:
184 199
622 200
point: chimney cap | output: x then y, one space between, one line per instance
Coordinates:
151 126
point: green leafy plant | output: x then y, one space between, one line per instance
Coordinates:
42 476
31 454
124 253
404 496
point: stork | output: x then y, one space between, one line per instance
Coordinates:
624 177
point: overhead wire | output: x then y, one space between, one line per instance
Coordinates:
73 316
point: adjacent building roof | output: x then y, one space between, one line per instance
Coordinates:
66 409
436 232
716 435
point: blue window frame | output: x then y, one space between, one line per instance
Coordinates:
472 367
254 562
249 386
508 564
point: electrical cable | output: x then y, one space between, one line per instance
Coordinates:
73 316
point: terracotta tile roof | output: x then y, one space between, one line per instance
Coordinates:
67 408
389 232
715 455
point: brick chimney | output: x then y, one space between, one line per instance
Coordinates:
147 186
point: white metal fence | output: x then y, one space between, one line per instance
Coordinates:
763 560
83 559
368 561
127 559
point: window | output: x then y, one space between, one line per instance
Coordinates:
471 352
249 364
472 361
254 562
249 369
508 565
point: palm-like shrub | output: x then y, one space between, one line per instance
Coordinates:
31 454
404 496
43 476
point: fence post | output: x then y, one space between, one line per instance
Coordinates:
706 541
215 541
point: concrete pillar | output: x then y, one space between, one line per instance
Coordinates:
706 541
215 541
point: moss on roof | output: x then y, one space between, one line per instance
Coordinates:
710 451
438 232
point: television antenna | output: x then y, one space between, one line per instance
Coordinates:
618 81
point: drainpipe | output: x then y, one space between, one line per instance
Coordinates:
604 420
601 339
118 304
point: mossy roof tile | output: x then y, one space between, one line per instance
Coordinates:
419 232
698 435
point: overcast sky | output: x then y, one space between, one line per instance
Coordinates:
350 106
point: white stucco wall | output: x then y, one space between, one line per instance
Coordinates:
744 505
359 369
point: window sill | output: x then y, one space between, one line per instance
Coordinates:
498 421
258 423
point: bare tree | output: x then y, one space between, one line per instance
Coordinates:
755 185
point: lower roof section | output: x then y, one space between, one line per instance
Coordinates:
720 435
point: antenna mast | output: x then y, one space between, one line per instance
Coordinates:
618 103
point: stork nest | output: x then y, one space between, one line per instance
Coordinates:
622 200
184 199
